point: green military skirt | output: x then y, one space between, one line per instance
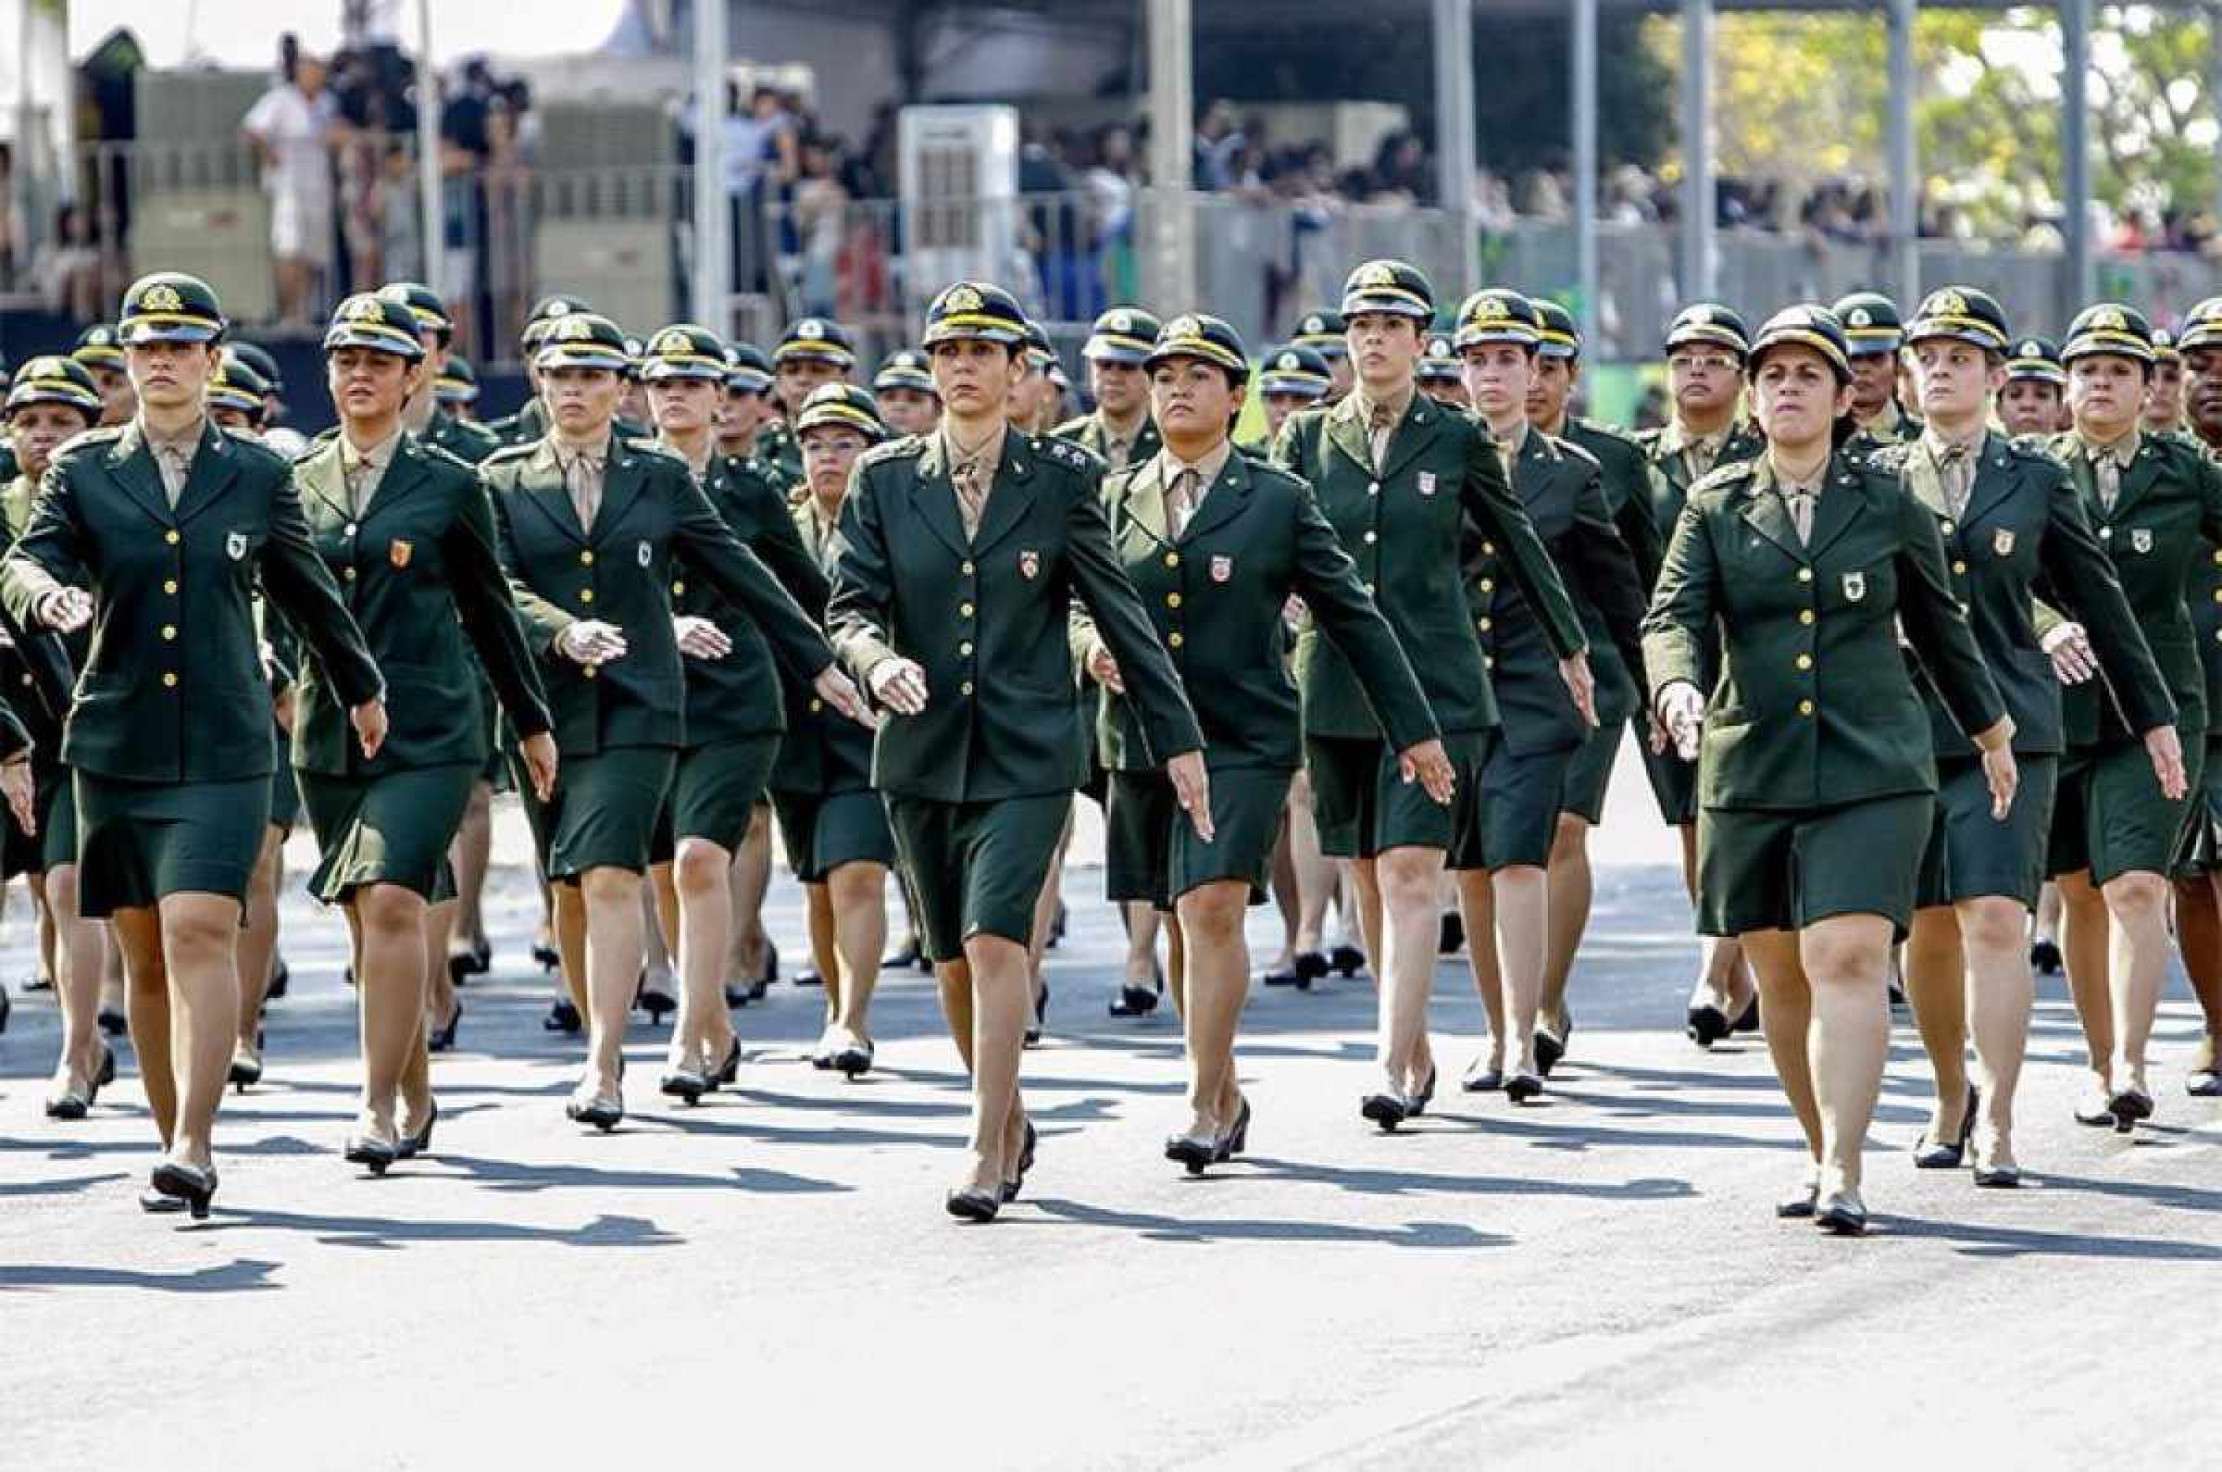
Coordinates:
977 868
1519 808
1762 869
714 791
1972 855
1673 780
603 814
2111 818
1151 851
393 828
1589 774
55 844
140 841
823 831
1363 805
2201 852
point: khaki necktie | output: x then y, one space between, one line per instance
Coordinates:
1180 501
1701 453
1958 469
1118 453
2107 472
362 476
1380 422
1800 500
972 482
582 477
175 462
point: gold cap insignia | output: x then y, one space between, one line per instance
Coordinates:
963 297
1859 317
161 297
1377 273
1121 322
578 329
558 309
1698 316
2031 350
2108 319
99 337
810 327
1289 362
363 309
1948 304
1489 309
672 340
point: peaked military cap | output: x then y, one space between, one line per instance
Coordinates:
683 350
1207 339
1963 314
582 340
2202 326
1498 314
458 381
1293 368
1711 323
2165 347
1871 323
1122 335
2109 327
236 385
423 303
1561 335
1322 332
842 406
747 370
907 368
259 358
1806 325
977 310
2038 358
1438 360
380 323
816 340
55 380
97 347
170 306
1389 286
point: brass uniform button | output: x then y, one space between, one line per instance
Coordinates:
816 705
169 632
1805 661
1805 707
351 574
965 648
964 610
172 537
1488 585
1959 569
169 679
1172 600
1805 615
592 670
965 688
1484 625
586 558
1372 537
586 595
967 568
678 590
1488 549
169 586
1174 640
1805 574
1172 559
1948 526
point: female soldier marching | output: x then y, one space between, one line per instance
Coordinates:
590 525
169 741
406 530
959 556
1815 775
1216 545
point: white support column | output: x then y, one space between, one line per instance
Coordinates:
1905 176
1454 133
1170 263
713 272
1699 264
1583 90
430 208
2081 283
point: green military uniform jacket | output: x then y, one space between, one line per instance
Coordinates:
1439 502
420 574
652 518
823 752
38 667
1216 593
1093 435
2169 506
1900 428
1562 489
2023 529
778 453
740 695
467 442
1626 475
529 425
985 618
173 687
1815 706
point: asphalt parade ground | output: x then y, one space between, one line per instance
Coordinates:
1596 1280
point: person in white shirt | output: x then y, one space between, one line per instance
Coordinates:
291 127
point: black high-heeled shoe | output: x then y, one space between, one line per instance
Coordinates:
1841 1214
1310 966
107 1072
1347 959
246 1070
193 1185
1386 1110
1057 927
442 1038
1450 934
1706 1025
809 976
69 1104
657 1004
2044 957
730 1070
2130 1106
974 1204
564 1018
853 1060
7 1009
1416 1104
1041 1014
112 1022
1549 1049
1140 1001
1522 1087
1192 1152
1013 1186
281 980
546 956
373 1154
1931 1154
1799 1205
1237 1139
420 1143
1748 1019
601 1111
684 1085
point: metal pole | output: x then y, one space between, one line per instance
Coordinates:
1697 150
1171 279
434 220
1905 196
713 273
1584 93
1454 132
2075 151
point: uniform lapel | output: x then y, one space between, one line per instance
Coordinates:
213 469
1013 495
319 474
1838 507
132 466
2139 477
1223 502
935 499
1346 431
541 485
1144 500
1996 479
1765 512
1413 434
1531 477
402 476
624 477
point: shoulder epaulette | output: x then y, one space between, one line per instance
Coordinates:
1071 429
1573 452
1068 454
909 447
509 453
85 439
1727 477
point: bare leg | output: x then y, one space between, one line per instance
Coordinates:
2199 938
751 878
390 985
858 895
613 915
2001 992
1143 921
79 960
258 940
655 947
1405 962
1284 897
1847 959
1001 1007
825 951
1477 906
1522 897
1316 874
471 853
200 940
1571 887
439 982
954 981
1217 980
702 879
2137 904
1786 1017
569 906
1938 988
2085 946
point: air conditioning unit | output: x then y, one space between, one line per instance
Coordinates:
960 214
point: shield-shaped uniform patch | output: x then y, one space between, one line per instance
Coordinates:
398 552
1029 564
2141 538
2002 541
1427 482
646 554
1855 586
235 545
1222 568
